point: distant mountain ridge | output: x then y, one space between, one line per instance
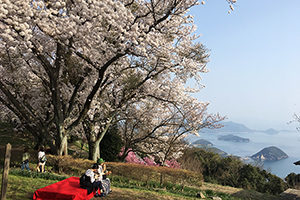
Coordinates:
229 127
233 127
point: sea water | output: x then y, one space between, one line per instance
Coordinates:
287 141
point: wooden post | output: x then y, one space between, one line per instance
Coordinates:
5 171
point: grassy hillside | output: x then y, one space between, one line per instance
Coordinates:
21 187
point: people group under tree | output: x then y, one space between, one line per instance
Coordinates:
95 179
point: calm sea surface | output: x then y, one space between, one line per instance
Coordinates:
289 142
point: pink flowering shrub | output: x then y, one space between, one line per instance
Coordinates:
132 157
172 164
149 161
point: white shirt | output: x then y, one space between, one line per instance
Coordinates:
100 171
91 174
41 154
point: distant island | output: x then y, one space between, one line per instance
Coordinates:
229 127
271 131
232 127
269 154
233 138
208 146
202 142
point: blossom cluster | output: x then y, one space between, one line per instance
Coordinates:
132 157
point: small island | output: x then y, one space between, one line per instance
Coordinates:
233 138
271 131
202 142
270 154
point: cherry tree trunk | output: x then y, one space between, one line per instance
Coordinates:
94 149
62 145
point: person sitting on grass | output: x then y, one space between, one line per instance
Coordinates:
89 180
102 171
25 159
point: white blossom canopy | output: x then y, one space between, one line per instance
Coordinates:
59 57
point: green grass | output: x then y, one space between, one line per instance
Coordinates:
33 174
169 188
20 187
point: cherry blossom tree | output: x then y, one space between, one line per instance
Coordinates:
158 124
59 57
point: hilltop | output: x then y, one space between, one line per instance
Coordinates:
270 154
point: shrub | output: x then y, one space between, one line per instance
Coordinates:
293 180
149 161
132 157
31 174
131 171
159 174
172 164
231 171
68 165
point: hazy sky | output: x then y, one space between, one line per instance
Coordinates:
254 65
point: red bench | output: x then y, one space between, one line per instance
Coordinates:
68 189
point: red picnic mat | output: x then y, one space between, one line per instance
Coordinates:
68 189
